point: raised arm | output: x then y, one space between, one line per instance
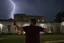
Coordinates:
19 28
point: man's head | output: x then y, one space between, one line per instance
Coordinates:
32 21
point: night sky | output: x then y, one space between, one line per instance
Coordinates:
46 8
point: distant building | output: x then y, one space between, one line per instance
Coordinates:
23 17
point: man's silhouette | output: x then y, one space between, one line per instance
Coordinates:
32 32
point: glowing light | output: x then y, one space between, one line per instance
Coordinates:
12 13
38 20
23 32
42 20
26 24
62 23
1 25
43 25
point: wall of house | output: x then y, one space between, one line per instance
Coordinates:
8 27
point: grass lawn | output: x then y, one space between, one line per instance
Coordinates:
21 38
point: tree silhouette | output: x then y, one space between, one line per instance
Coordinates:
59 17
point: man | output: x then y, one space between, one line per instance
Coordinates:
32 32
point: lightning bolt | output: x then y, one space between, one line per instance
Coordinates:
12 13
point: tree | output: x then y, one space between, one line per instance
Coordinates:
59 17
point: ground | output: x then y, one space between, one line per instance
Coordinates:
21 38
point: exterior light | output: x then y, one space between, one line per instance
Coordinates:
38 20
1 26
43 25
26 24
62 23
42 20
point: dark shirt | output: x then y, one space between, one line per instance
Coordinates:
32 34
